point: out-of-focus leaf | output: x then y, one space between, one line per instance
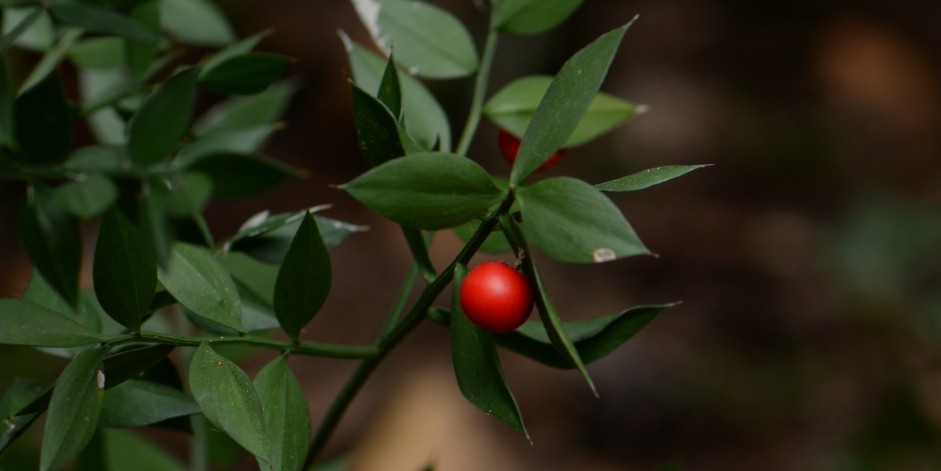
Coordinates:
248 112
428 41
390 90
51 59
26 323
197 22
99 86
88 196
571 221
127 450
376 129
197 280
229 400
268 237
303 280
426 191
97 53
96 159
157 127
226 141
242 47
73 410
246 74
240 175
287 417
189 194
28 28
97 19
125 270
647 178
532 16
565 103
53 243
43 124
152 217
7 134
513 106
139 55
255 276
477 366
137 403
23 403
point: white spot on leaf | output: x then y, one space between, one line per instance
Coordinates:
603 254
101 379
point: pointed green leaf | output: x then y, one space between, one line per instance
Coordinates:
27 28
513 106
127 450
246 74
97 19
303 280
428 41
139 55
88 196
196 22
426 191
73 410
43 125
477 366
21 405
137 403
532 16
132 362
573 222
376 129
390 91
26 323
229 400
241 175
242 47
647 178
244 141
286 415
424 118
53 243
564 103
161 122
51 59
248 112
125 270
267 237
202 285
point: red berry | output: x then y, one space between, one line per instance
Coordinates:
510 146
496 297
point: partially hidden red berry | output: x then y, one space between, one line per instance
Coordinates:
510 146
496 297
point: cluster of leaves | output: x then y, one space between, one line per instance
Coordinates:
156 162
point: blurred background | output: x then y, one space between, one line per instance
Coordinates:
804 257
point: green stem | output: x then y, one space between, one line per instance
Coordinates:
399 306
300 348
480 90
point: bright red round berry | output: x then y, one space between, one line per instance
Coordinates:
496 297
510 146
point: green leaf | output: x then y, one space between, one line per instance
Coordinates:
532 16
132 362
19 395
390 90
225 141
202 285
161 122
593 338
647 178
494 244
73 410
26 323
241 175
246 74
303 280
196 22
267 237
139 55
229 400
573 222
248 112
287 417
20 407
28 28
376 129
565 103
152 217
125 270
105 159
96 19
425 120
88 196
426 191
43 126
53 243
7 100
428 41
231 51
512 108
137 403
127 450
477 366
97 53
51 59
189 194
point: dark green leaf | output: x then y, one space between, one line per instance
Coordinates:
477 366
26 323
157 127
21 393
246 74
25 403
565 102
229 400
303 280
53 243
376 129
418 245
425 120
241 175
125 270
428 41
390 91
532 16
197 22
139 55
127 450
647 178
73 410
137 403
513 106
571 221
129 363
96 19
88 196
43 126
267 237
248 112
244 46
426 191
202 285
287 417
152 217
104 159
7 133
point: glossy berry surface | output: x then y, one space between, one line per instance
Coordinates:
510 146
496 297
